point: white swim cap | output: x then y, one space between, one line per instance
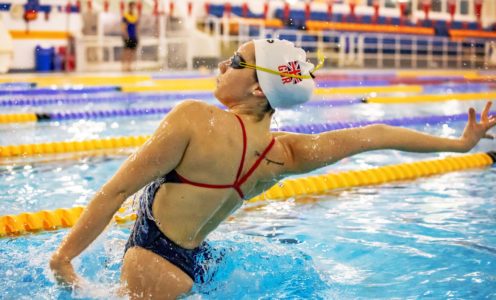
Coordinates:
282 56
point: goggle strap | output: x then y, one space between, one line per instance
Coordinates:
274 72
311 76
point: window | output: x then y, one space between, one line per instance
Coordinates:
464 7
390 3
436 5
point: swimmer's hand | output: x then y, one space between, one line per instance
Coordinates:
64 272
475 131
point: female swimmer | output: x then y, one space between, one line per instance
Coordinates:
202 162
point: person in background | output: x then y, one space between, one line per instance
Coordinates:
130 21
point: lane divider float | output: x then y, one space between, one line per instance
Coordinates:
432 98
312 185
72 146
115 97
136 141
115 113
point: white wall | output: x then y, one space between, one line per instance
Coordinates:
24 49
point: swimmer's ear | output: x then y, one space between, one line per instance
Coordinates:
257 92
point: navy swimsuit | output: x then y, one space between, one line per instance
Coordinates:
147 235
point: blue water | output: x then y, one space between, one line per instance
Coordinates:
433 238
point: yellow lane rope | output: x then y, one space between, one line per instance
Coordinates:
53 219
437 73
78 80
209 84
18 118
370 89
433 98
71 146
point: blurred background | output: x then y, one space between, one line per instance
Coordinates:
86 35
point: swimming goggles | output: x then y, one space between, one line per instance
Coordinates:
238 62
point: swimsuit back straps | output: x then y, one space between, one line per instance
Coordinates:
173 176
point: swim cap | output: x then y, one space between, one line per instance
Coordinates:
281 55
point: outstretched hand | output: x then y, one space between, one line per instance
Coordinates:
474 131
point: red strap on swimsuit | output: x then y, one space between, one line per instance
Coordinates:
238 181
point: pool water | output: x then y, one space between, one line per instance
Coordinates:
433 237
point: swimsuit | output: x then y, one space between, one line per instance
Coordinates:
147 235
131 42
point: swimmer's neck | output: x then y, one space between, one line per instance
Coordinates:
253 112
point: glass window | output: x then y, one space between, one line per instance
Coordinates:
436 5
464 7
390 3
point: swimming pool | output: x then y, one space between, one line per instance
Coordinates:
429 238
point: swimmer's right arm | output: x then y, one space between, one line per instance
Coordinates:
158 156
306 152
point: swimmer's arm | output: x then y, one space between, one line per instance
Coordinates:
158 156
279 133
306 152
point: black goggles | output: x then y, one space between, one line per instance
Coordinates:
237 62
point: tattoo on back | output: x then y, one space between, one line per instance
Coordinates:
269 160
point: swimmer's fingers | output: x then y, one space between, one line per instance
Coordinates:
491 122
489 136
472 119
485 112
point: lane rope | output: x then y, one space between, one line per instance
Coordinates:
28 222
115 113
24 150
432 98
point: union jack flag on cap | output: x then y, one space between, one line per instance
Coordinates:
293 68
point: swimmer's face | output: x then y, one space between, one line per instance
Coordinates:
235 84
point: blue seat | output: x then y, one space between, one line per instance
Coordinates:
318 16
309 38
382 20
406 46
330 39
289 37
370 44
395 21
452 49
366 19
388 46
473 26
457 25
437 48
422 47
216 10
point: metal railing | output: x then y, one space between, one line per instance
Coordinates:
342 49
369 50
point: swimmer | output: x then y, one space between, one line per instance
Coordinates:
202 163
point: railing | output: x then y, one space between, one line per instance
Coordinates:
342 49
369 50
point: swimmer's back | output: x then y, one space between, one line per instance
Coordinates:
212 156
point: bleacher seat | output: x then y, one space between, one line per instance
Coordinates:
216 10
422 47
370 44
406 46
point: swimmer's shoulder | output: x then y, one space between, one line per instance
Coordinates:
197 108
